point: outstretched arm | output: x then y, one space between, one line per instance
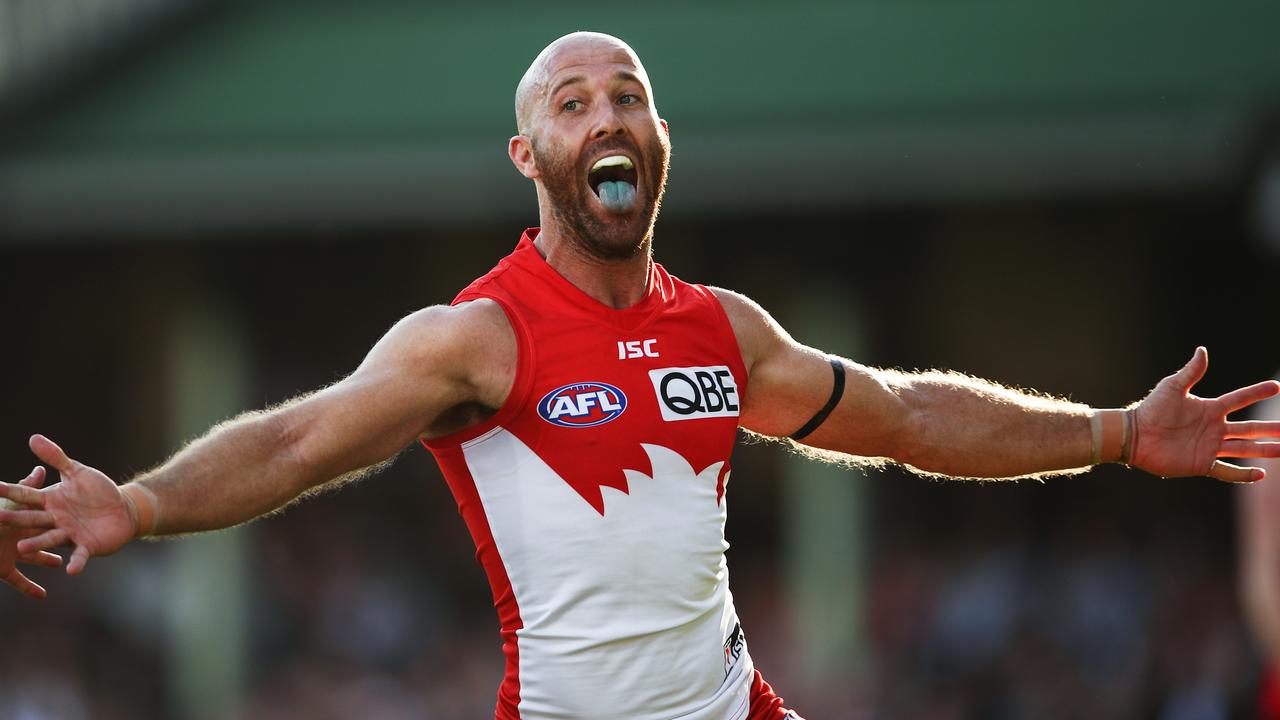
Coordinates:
954 425
435 371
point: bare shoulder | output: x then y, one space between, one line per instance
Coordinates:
471 344
737 306
443 328
477 321
755 329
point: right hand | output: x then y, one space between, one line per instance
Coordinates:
86 509
1177 434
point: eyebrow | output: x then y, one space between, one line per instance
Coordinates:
625 75
560 85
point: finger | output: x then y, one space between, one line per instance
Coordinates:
43 559
79 559
24 585
45 540
35 479
50 454
29 518
1249 449
1246 396
22 494
1234 473
1190 374
1254 429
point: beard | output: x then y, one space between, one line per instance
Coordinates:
578 210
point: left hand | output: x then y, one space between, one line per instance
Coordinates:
1177 434
10 556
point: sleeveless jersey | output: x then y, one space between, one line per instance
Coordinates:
595 497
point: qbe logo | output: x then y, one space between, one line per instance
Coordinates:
584 404
692 393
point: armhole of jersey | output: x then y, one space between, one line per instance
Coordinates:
519 387
739 364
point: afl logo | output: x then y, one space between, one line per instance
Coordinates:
584 404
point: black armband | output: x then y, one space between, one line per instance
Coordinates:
837 391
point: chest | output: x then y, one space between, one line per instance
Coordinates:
598 395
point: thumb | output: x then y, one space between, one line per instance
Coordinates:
1190 374
50 454
79 559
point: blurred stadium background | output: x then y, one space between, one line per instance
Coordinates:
212 205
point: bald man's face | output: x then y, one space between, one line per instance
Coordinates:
598 148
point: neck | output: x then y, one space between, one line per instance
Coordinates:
618 284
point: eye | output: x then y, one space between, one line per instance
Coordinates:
628 99
571 105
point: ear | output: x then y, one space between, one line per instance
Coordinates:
665 129
520 149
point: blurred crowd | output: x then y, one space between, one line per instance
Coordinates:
978 618
1020 630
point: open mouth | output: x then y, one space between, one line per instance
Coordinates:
613 179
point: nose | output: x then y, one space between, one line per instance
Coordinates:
607 122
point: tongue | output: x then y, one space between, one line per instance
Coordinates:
617 196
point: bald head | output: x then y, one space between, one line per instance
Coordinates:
579 48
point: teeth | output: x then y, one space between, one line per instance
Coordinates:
621 161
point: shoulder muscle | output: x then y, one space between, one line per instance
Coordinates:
427 364
786 382
758 334
469 349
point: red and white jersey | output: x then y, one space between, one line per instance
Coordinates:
596 500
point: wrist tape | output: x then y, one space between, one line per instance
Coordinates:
1113 435
143 508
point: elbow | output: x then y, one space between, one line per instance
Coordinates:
906 440
925 443
890 427
286 436
283 433
904 425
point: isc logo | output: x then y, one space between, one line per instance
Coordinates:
584 404
691 393
631 349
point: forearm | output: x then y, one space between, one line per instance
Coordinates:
241 469
960 426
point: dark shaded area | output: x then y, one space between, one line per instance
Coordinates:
1107 595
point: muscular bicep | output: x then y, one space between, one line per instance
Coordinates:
426 367
789 383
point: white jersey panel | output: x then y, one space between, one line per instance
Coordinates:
626 614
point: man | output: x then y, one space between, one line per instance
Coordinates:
583 403
1258 508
